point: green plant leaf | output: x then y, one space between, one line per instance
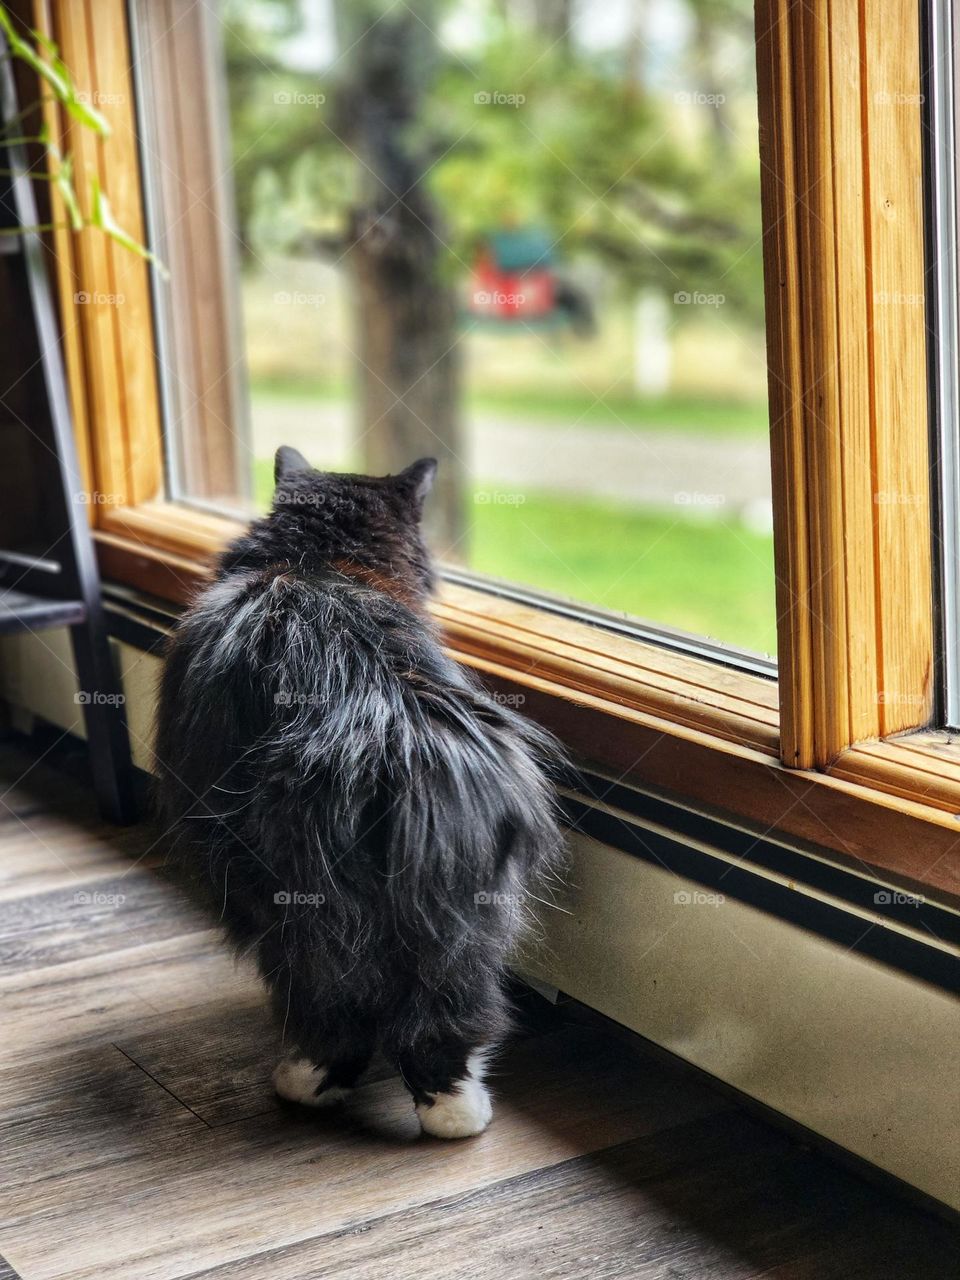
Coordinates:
75 102
63 180
86 113
102 217
23 50
55 73
45 43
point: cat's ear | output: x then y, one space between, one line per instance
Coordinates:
417 481
288 462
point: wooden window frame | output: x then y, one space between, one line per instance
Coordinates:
811 755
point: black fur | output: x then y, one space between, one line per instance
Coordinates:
314 739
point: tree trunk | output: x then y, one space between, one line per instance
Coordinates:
705 48
553 19
405 303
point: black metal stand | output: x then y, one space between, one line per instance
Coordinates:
48 569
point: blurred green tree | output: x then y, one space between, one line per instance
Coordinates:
641 162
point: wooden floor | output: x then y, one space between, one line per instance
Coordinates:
139 1137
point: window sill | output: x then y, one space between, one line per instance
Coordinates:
641 713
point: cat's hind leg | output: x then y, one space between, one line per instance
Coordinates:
333 1048
300 1079
447 1083
442 1043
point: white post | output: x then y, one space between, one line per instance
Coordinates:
652 345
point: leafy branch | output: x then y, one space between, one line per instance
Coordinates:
42 56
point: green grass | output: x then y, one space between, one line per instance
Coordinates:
711 577
298 389
673 412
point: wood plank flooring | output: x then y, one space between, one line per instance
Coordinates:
140 1138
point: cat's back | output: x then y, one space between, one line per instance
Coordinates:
248 613
262 643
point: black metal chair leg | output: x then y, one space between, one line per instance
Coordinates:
106 722
60 585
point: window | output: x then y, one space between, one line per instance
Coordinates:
942 178
580 339
839 749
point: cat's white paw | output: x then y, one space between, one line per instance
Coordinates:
462 1113
297 1080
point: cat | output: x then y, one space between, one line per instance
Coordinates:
363 817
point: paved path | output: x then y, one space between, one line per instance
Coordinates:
645 468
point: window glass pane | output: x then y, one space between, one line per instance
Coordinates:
941 75
520 235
